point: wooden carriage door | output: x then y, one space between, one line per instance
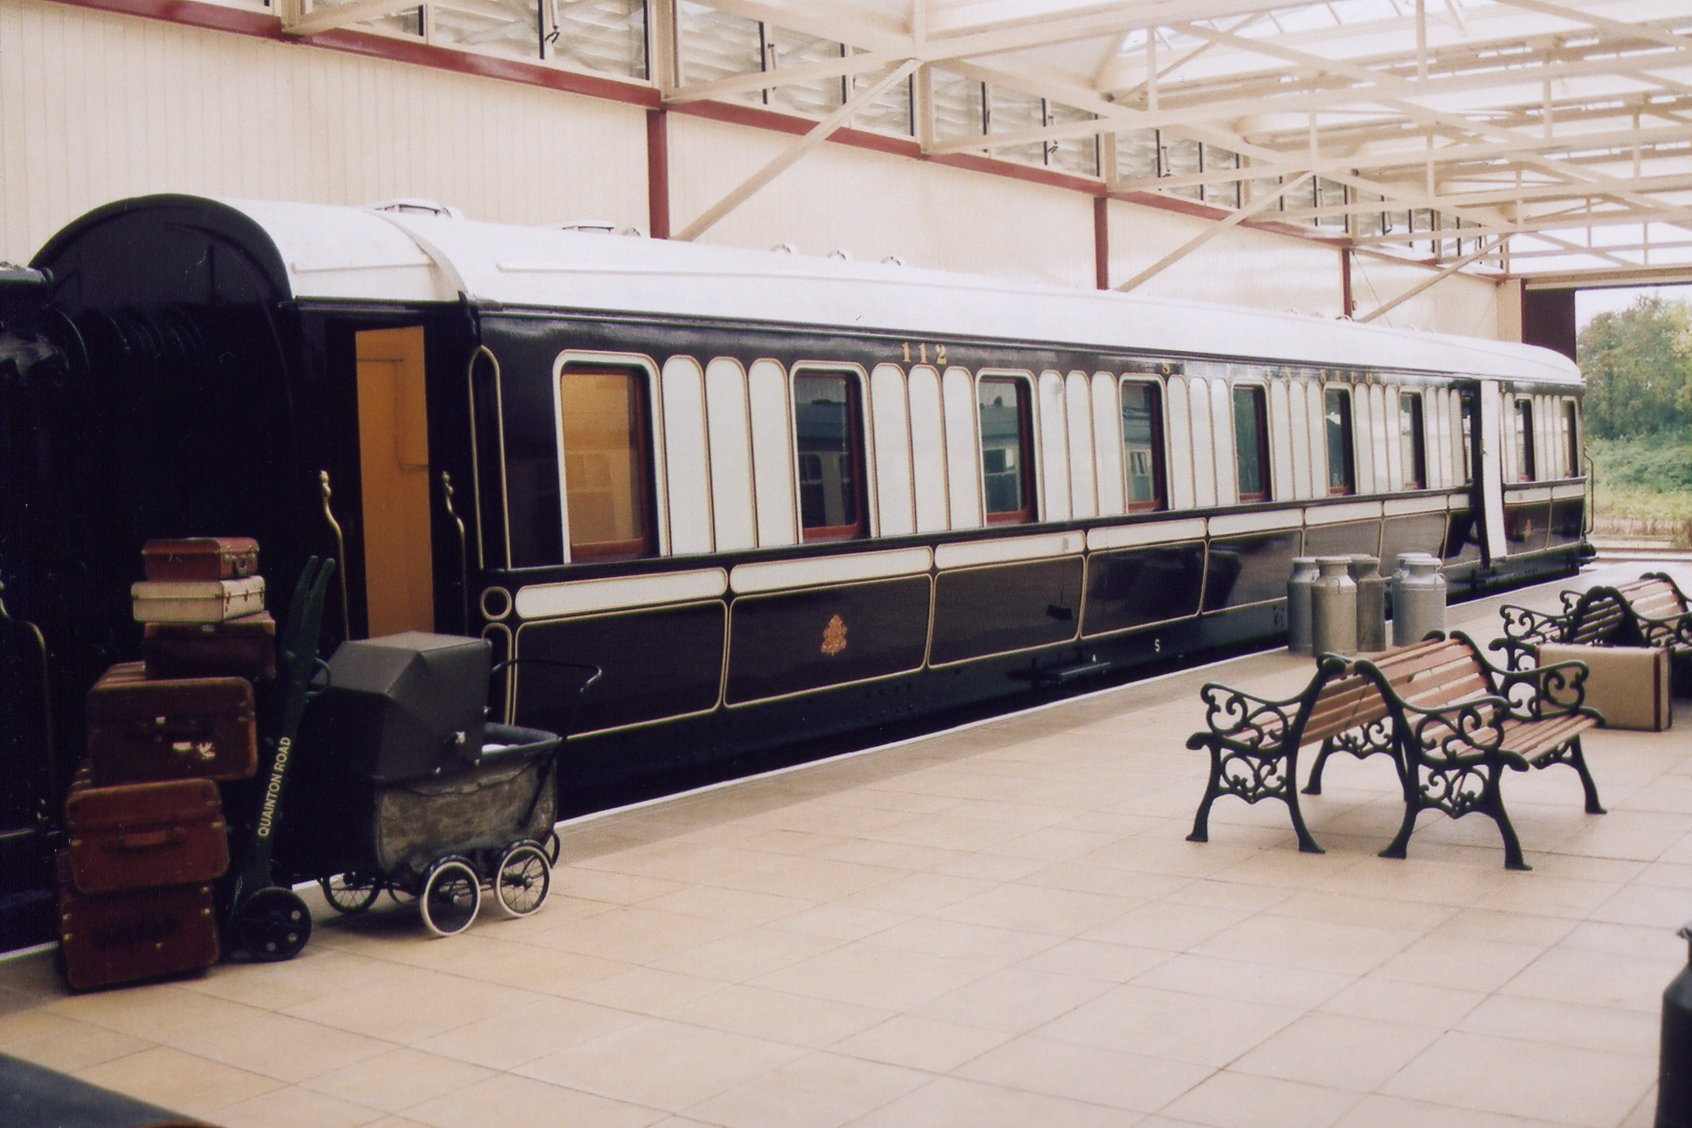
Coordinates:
393 451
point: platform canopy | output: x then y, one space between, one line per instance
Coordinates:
1542 137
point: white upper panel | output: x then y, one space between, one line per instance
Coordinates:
352 253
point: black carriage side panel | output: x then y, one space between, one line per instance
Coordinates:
1137 587
1001 608
1249 569
819 638
1345 539
1418 532
527 349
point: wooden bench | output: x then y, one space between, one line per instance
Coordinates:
1458 721
1593 618
1649 611
1659 613
1254 741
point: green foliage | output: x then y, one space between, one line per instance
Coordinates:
1638 368
1662 463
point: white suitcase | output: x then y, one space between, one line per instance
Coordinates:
197 601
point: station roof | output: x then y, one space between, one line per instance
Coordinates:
1548 138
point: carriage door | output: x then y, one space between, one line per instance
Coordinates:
1489 470
393 456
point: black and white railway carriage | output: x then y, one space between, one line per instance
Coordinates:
776 498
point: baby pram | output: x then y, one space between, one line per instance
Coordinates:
411 790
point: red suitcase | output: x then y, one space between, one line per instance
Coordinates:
142 835
200 558
123 937
179 728
239 647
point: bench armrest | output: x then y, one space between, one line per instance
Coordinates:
1518 655
1454 736
1671 630
1524 624
1249 722
1556 690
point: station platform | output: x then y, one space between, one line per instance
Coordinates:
1000 925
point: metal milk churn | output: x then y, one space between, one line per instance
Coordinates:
1674 1069
1333 607
1298 604
1371 602
1418 598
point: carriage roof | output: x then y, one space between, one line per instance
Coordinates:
342 253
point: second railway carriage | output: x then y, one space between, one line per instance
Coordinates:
776 498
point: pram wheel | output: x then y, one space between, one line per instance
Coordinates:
350 893
451 895
522 881
554 847
273 924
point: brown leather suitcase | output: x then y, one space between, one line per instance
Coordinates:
124 937
240 648
200 558
143 835
142 729
1628 684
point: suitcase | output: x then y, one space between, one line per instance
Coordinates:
141 729
142 835
196 601
1628 684
243 647
123 937
200 558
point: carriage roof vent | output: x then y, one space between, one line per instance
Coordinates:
784 249
892 260
416 205
602 227
841 254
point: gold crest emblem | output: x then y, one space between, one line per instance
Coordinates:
834 636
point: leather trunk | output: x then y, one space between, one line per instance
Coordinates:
200 558
125 937
144 835
142 729
243 647
196 601
1628 684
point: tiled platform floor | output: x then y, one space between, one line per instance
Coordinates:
998 926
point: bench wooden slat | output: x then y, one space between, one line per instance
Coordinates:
1528 738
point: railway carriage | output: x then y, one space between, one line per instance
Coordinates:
777 499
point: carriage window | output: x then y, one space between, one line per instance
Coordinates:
829 417
1412 443
1251 443
1466 416
1342 464
1142 445
1007 448
1571 438
1524 441
607 463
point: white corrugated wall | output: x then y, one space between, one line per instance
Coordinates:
95 107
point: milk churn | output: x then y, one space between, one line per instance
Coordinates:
1371 602
1298 604
1418 598
1674 1069
1333 607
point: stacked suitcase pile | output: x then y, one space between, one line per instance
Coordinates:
147 836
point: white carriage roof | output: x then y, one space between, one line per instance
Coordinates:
345 253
